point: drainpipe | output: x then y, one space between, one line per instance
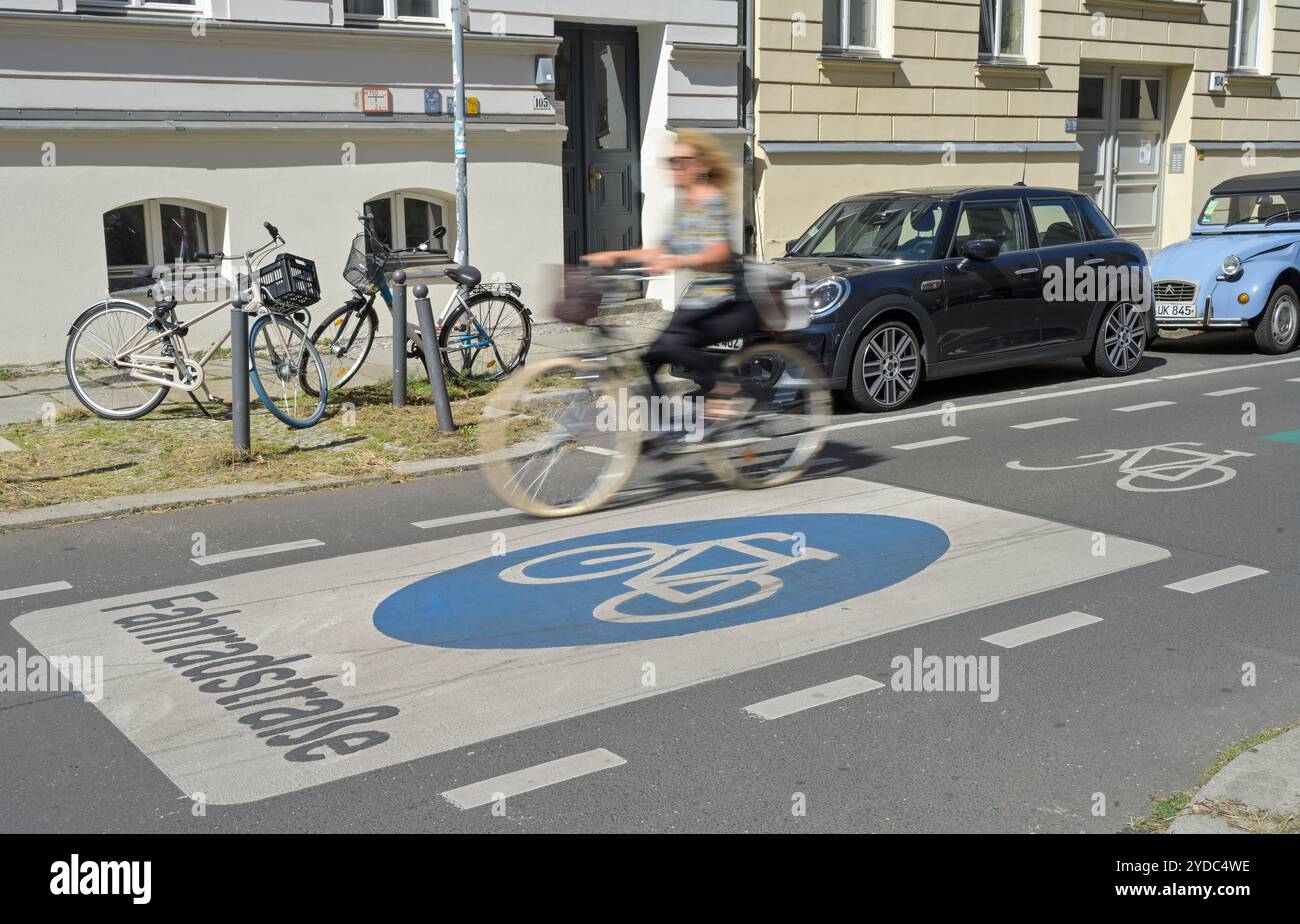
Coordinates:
745 32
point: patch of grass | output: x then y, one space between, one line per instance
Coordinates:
1165 808
7 373
83 457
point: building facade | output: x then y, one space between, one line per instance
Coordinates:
1144 104
136 133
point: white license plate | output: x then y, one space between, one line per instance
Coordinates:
728 345
1176 312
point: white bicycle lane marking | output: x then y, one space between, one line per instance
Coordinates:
1185 467
215 728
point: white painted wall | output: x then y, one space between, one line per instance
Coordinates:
300 59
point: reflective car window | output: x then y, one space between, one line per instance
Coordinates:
1251 209
888 228
1003 222
1056 221
1099 229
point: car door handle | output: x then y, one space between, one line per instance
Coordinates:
1026 271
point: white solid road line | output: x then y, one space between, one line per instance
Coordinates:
1144 407
467 518
1216 579
599 451
876 420
925 444
254 552
1218 369
1044 628
1034 425
1230 391
14 593
522 781
823 693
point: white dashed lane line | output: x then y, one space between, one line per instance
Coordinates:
1150 405
1230 391
522 781
13 593
1215 579
1034 425
257 551
926 444
1043 628
820 695
466 518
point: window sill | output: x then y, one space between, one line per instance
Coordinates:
1185 7
1249 80
1009 68
833 59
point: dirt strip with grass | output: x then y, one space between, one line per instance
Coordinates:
81 457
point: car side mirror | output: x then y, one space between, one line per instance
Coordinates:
789 246
440 232
979 251
982 250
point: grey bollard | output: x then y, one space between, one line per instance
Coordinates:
433 359
239 375
399 338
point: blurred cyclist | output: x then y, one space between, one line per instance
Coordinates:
699 240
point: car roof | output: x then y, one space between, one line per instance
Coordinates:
974 192
1258 183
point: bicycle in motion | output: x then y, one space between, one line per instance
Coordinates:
564 435
122 358
484 331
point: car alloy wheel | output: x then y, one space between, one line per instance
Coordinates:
1125 335
891 365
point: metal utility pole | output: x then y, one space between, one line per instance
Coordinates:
459 16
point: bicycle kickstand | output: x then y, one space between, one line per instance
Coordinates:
200 406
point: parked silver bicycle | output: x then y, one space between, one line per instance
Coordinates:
122 358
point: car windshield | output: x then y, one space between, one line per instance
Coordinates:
886 228
1246 209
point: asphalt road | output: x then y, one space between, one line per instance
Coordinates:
1132 702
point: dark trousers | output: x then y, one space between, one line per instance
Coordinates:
692 328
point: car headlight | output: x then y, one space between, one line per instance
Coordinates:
1231 265
827 295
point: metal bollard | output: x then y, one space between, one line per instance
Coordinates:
433 359
239 375
399 338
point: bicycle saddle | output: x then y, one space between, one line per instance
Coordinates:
465 275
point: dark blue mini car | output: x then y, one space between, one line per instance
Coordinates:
929 283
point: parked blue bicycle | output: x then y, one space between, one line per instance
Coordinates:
484 331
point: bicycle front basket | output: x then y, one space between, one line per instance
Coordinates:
289 283
361 266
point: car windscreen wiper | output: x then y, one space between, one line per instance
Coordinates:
839 253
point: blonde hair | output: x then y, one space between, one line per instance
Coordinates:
710 154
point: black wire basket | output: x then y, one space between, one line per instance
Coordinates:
361 266
289 282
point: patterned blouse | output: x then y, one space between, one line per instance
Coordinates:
694 228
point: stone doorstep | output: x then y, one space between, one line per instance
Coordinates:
631 306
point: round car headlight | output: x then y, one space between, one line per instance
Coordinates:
1231 265
827 295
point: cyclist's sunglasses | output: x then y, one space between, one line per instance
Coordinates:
675 163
